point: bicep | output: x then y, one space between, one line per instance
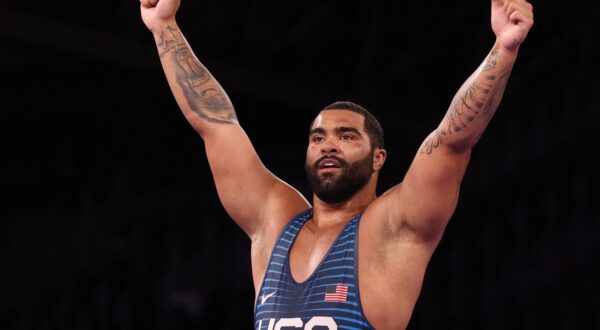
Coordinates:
429 191
249 192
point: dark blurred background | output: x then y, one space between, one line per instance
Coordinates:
109 215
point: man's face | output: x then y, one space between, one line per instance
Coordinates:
339 158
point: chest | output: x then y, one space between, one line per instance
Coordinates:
310 249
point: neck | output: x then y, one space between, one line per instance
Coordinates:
329 215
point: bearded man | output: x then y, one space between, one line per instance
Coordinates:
311 268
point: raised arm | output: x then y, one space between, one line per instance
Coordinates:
249 192
429 191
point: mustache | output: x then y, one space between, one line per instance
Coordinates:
342 162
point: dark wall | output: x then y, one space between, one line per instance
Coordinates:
109 217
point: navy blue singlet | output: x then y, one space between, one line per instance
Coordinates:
328 299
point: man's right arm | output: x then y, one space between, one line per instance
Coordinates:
249 192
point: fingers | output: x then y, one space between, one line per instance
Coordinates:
148 3
517 17
497 4
510 6
519 11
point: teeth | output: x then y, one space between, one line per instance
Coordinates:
329 164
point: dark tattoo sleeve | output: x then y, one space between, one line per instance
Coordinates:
473 106
203 93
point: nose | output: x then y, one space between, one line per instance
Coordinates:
329 148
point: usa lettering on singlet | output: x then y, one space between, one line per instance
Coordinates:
328 299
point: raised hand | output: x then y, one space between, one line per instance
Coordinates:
157 12
511 21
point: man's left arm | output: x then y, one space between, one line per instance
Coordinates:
429 191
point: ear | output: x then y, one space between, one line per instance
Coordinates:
379 157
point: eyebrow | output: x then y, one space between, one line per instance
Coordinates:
344 129
338 130
316 130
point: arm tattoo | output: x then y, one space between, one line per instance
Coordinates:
203 93
479 97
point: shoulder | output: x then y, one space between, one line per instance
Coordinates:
277 214
387 210
391 218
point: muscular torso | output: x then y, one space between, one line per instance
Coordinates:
391 271
391 267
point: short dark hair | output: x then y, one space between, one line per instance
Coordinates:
372 126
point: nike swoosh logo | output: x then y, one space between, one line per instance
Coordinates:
264 298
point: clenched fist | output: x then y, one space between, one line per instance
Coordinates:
511 21
156 13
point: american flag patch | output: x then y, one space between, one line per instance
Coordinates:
336 293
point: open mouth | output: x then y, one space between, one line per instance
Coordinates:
329 164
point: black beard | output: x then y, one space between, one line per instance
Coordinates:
334 190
